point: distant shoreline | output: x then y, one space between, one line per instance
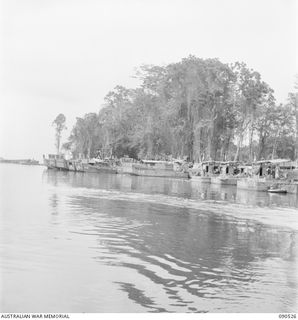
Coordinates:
31 162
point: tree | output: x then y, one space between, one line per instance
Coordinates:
249 91
85 135
199 108
293 102
274 127
59 124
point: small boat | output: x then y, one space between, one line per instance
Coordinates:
277 190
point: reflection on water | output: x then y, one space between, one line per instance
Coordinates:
115 243
174 187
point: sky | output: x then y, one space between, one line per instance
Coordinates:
64 56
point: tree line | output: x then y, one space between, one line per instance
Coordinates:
197 108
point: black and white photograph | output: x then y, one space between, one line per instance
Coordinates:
148 158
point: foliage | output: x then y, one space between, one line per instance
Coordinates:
293 103
85 136
59 124
196 108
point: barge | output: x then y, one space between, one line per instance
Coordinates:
99 166
152 168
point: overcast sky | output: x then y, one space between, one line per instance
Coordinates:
63 56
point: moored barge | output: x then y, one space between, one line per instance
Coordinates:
153 168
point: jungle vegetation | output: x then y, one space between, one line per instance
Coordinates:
197 108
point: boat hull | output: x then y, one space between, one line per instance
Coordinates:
154 172
98 169
277 191
201 179
126 168
254 184
50 163
230 181
61 164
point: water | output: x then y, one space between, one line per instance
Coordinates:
74 242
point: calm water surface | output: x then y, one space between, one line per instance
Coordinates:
74 242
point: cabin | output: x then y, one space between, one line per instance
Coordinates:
229 168
210 168
265 173
56 161
126 165
203 171
228 173
273 169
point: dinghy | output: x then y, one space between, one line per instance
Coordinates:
277 190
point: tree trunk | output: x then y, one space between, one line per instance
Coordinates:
58 145
209 142
239 143
227 146
262 141
89 150
251 132
274 148
296 142
210 133
58 138
197 145
221 156
149 137
191 146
